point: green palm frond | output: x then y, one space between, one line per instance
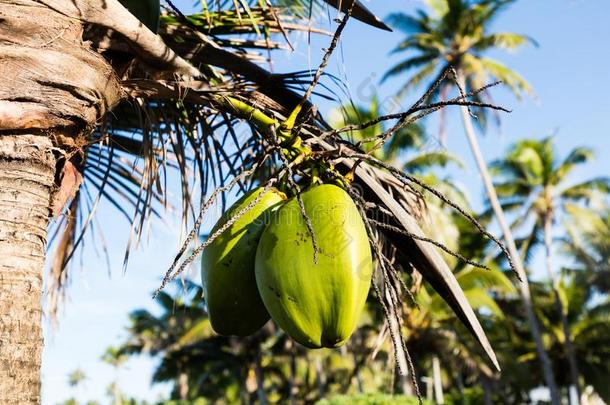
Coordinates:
410 24
503 40
588 190
515 82
426 160
417 79
480 299
478 278
576 157
409 64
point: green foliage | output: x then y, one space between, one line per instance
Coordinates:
456 33
469 396
198 401
410 147
370 399
533 182
587 244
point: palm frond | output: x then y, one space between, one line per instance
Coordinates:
503 40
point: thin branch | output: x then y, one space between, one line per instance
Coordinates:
432 241
404 177
169 276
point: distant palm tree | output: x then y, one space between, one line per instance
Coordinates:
588 318
183 320
200 363
534 183
455 33
115 358
76 377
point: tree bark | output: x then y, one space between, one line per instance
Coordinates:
548 224
27 174
524 289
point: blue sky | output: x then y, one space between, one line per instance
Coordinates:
568 72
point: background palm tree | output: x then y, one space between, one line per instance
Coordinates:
115 358
267 367
76 377
456 34
588 321
587 244
534 183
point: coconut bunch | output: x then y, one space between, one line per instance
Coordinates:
354 221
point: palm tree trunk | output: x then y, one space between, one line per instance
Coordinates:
429 388
548 223
27 175
260 380
486 383
183 385
438 383
524 289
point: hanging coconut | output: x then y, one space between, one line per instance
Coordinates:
317 304
234 304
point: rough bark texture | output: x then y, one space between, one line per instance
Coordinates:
524 289
111 16
27 171
51 78
54 90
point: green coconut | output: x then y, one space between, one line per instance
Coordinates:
234 304
317 304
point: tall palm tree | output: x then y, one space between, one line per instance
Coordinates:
56 133
115 358
534 183
179 101
455 33
588 318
